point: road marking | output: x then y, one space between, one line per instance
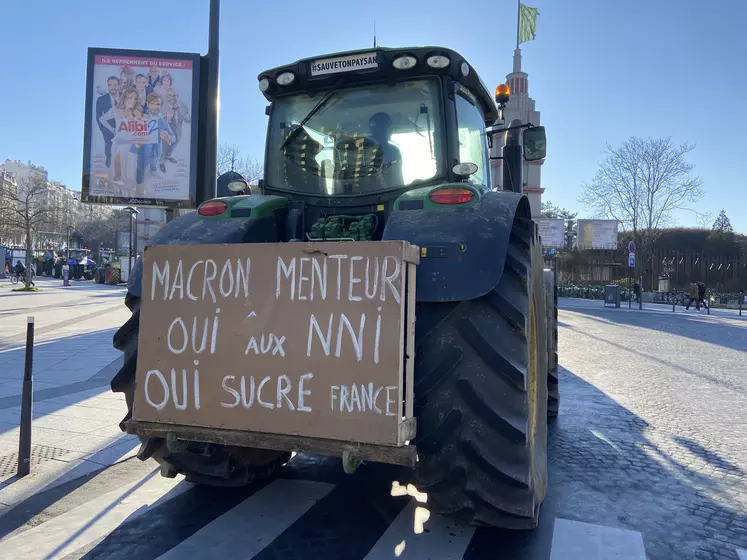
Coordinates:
249 527
742 554
572 540
416 533
95 519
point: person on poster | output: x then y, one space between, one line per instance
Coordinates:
142 87
154 78
149 154
166 81
177 113
104 106
127 108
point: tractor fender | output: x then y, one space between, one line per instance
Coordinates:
462 249
192 229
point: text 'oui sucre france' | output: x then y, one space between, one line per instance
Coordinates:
282 392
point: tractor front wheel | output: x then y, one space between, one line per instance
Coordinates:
481 396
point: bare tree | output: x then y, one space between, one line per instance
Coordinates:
25 209
95 233
231 159
641 183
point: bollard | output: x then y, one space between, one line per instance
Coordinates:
674 302
65 275
24 442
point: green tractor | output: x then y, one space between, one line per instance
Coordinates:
394 144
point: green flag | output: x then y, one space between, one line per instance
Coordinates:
527 23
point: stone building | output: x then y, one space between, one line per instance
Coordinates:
522 107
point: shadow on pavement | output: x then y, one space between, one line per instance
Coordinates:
13 360
605 470
648 356
730 335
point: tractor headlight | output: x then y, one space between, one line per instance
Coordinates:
438 61
404 62
286 78
264 85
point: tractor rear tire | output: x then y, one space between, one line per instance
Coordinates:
553 386
201 463
113 276
481 396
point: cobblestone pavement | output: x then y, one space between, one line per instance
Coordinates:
647 460
653 434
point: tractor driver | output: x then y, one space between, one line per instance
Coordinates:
380 125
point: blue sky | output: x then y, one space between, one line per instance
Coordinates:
600 72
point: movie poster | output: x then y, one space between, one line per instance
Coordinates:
141 128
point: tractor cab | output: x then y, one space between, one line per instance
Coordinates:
355 136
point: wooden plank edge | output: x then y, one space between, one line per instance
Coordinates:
411 253
410 349
407 430
405 455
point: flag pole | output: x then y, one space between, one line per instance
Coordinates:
518 21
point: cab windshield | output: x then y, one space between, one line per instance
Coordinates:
360 141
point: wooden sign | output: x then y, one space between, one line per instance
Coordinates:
305 339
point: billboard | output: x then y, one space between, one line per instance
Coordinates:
597 234
123 242
149 221
552 231
140 134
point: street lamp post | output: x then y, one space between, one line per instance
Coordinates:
133 212
69 229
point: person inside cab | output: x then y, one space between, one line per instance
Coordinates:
380 126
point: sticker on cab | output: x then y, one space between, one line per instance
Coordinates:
347 63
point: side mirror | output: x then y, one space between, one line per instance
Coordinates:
535 143
230 184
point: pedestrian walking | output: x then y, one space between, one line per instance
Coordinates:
692 294
701 294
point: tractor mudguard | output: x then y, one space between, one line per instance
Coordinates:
193 229
462 249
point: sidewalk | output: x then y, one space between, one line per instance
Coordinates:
76 417
570 303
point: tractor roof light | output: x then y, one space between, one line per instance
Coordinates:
502 94
264 85
438 61
451 196
212 208
286 78
405 62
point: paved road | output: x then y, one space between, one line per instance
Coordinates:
647 460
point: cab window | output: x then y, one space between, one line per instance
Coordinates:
472 143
